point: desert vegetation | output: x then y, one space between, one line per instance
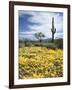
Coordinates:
41 58
40 62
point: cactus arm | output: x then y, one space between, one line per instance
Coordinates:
55 30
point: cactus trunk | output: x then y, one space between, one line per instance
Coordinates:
53 30
52 37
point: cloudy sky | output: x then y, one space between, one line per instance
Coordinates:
31 22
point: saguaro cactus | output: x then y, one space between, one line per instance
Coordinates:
53 30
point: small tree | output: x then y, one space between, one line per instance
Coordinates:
39 36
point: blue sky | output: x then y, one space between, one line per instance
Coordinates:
31 22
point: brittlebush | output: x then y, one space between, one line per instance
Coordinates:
40 62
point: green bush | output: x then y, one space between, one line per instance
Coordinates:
51 46
59 43
47 45
28 44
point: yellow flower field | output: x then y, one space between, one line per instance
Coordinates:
40 62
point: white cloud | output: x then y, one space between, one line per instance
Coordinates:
45 20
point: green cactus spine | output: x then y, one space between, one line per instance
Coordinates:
53 30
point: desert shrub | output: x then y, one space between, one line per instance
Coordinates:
59 43
47 45
28 44
51 46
